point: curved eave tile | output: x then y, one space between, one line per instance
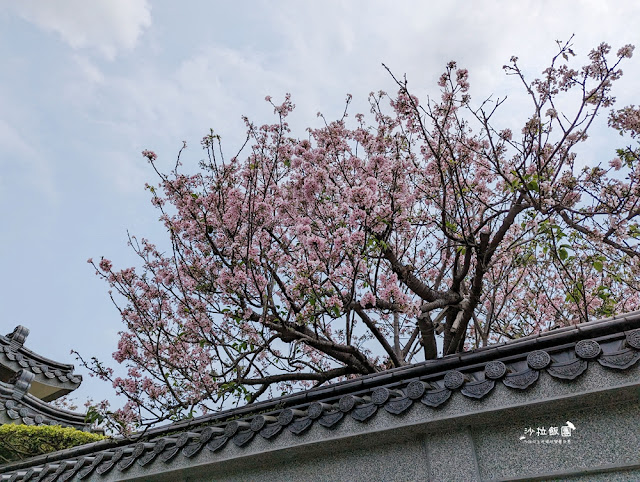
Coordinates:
568 370
15 356
25 412
433 391
620 360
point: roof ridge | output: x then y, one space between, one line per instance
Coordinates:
560 335
613 342
14 342
617 351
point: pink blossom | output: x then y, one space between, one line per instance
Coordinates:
368 299
105 264
616 163
149 155
626 51
302 256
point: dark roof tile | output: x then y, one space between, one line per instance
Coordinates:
562 353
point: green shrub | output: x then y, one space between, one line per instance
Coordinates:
19 442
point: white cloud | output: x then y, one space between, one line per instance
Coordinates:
13 142
335 51
89 72
126 170
21 160
105 25
213 87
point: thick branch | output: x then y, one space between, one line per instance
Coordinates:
581 229
393 356
346 354
405 274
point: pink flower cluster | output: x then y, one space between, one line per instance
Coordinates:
331 256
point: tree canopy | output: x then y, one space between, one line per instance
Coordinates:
18 442
420 230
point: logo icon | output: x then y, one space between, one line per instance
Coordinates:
566 430
553 434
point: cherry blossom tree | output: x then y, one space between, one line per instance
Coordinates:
419 231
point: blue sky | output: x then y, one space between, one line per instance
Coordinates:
85 86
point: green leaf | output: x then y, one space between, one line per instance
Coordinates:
451 226
20 441
597 265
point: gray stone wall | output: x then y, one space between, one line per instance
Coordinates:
464 440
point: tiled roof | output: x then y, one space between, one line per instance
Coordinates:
48 373
18 406
564 354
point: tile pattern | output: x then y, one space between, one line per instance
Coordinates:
15 356
615 349
18 406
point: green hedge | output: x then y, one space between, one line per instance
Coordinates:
19 442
